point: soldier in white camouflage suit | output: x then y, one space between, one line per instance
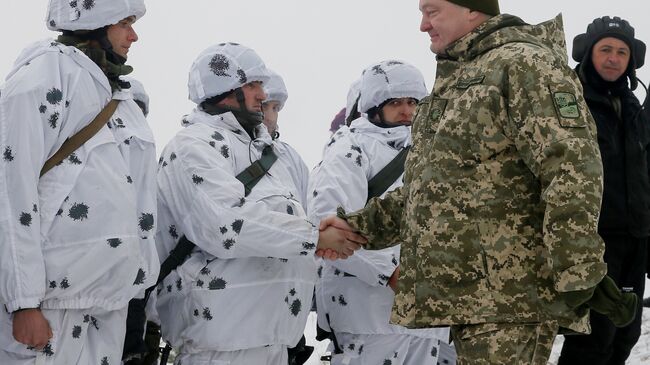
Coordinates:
355 296
501 197
244 294
76 244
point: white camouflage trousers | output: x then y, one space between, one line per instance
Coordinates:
268 355
385 349
81 337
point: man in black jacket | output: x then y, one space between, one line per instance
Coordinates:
608 56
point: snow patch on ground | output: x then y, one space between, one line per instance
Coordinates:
320 347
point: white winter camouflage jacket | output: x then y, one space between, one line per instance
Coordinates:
81 236
250 281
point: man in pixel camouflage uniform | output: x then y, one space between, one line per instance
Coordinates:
500 204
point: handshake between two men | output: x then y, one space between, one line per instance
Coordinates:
337 239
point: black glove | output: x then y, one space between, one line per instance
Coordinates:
608 300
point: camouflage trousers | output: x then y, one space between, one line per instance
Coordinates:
504 343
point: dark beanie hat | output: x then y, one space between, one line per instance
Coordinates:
489 7
611 27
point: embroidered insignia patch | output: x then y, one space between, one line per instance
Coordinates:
467 83
437 109
567 105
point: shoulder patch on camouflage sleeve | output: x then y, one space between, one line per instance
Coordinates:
566 104
437 109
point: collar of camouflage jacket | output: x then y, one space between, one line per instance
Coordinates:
502 29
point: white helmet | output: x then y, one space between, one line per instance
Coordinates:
390 80
90 14
275 89
139 94
222 68
353 97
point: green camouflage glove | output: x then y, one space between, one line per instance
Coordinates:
608 300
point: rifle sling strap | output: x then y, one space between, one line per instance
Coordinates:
249 177
256 171
388 175
86 133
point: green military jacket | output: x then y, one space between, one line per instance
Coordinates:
499 209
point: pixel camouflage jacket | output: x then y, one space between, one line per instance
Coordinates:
502 191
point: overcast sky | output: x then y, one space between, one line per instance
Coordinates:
319 47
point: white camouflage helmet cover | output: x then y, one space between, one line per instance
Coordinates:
224 67
390 80
353 95
275 89
90 14
139 94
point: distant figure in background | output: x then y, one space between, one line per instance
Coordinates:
338 121
142 344
276 97
608 56
352 104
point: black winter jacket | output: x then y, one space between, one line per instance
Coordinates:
625 151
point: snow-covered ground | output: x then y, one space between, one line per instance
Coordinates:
320 348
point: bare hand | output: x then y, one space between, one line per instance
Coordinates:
392 282
327 254
31 328
336 222
343 243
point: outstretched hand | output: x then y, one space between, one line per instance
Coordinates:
337 240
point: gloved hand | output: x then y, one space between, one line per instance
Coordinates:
574 299
608 300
